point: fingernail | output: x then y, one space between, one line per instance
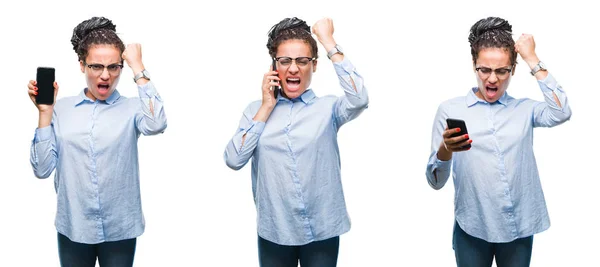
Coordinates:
457 130
470 141
467 136
35 93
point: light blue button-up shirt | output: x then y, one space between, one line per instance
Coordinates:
498 196
93 147
296 178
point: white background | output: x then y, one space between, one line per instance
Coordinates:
207 63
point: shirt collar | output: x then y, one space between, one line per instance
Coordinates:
472 98
110 100
306 97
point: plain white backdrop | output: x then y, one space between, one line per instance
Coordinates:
207 61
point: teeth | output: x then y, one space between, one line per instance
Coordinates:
294 79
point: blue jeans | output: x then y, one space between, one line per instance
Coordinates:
109 254
472 251
315 254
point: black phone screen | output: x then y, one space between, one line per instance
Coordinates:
45 85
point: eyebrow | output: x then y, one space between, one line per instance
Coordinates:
104 65
505 67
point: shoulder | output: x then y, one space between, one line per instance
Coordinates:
253 107
453 102
67 102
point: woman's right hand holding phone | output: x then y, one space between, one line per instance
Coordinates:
45 110
270 79
452 144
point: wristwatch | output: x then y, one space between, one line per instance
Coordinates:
540 66
335 50
143 74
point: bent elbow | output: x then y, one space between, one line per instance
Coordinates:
233 162
42 174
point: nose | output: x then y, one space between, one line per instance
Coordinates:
105 75
493 78
293 68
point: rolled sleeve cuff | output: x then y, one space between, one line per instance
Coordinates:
148 91
441 165
43 134
549 84
257 127
344 67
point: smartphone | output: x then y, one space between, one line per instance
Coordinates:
45 85
456 123
275 88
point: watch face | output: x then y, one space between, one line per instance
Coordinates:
542 65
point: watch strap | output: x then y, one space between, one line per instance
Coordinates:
538 67
335 50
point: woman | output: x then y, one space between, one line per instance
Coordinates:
91 141
292 138
499 203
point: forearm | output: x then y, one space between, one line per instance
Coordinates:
152 119
443 154
45 118
241 147
355 99
556 108
438 171
263 113
43 155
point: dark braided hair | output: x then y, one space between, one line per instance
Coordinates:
291 29
95 31
492 32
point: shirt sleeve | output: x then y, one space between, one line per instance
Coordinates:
151 118
438 171
353 102
43 155
240 149
549 113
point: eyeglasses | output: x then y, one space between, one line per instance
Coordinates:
300 61
98 69
501 73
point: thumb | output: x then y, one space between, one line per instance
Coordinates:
55 89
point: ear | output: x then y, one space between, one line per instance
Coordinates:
82 66
314 66
513 70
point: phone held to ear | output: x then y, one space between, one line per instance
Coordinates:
45 84
456 123
275 88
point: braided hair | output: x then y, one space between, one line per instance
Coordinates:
95 31
291 29
492 32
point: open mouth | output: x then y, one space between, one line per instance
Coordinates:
292 83
491 91
103 88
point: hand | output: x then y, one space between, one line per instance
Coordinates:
323 29
525 46
270 79
455 144
32 90
133 56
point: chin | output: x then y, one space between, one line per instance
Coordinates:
295 94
